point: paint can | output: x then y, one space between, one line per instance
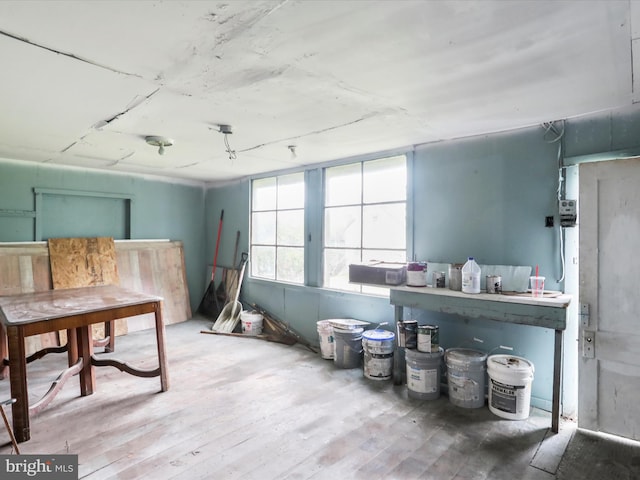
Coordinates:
423 374
455 276
494 284
348 347
438 280
378 354
325 335
466 376
417 274
510 380
410 334
428 338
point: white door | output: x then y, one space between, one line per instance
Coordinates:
609 223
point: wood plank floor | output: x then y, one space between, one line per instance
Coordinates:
248 409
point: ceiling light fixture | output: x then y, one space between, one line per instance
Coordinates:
226 131
292 149
160 142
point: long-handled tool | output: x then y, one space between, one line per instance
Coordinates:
226 284
209 305
230 314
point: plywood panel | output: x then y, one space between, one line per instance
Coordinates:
162 260
10 275
25 268
156 268
41 273
83 262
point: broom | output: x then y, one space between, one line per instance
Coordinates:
209 305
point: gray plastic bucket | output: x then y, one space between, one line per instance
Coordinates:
466 376
348 347
423 374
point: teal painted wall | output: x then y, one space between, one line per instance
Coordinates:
234 199
158 209
485 196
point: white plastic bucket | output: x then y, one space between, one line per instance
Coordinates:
423 374
251 323
325 334
510 381
348 347
378 354
466 372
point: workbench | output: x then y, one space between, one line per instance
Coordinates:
73 310
546 312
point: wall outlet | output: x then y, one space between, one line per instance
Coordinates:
548 221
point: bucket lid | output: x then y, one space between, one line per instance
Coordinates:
347 323
463 357
517 365
349 331
378 335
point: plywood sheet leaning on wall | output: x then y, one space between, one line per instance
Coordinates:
24 268
85 262
150 266
156 268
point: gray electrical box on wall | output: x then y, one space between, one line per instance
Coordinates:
568 212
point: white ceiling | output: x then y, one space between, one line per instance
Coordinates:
83 83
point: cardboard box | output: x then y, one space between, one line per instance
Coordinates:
378 273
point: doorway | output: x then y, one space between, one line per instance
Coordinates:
609 297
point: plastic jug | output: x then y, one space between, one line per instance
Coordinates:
471 277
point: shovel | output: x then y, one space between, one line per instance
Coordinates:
230 314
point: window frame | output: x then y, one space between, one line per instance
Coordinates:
362 205
314 218
276 245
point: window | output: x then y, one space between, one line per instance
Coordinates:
365 207
277 228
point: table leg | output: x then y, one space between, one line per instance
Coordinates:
18 380
110 331
162 357
85 350
72 346
557 381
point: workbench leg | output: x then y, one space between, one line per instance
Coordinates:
85 350
398 357
557 381
162 356
18 381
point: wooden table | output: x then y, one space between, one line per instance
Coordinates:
546 312
74 310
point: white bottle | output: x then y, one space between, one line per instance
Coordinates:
471 277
